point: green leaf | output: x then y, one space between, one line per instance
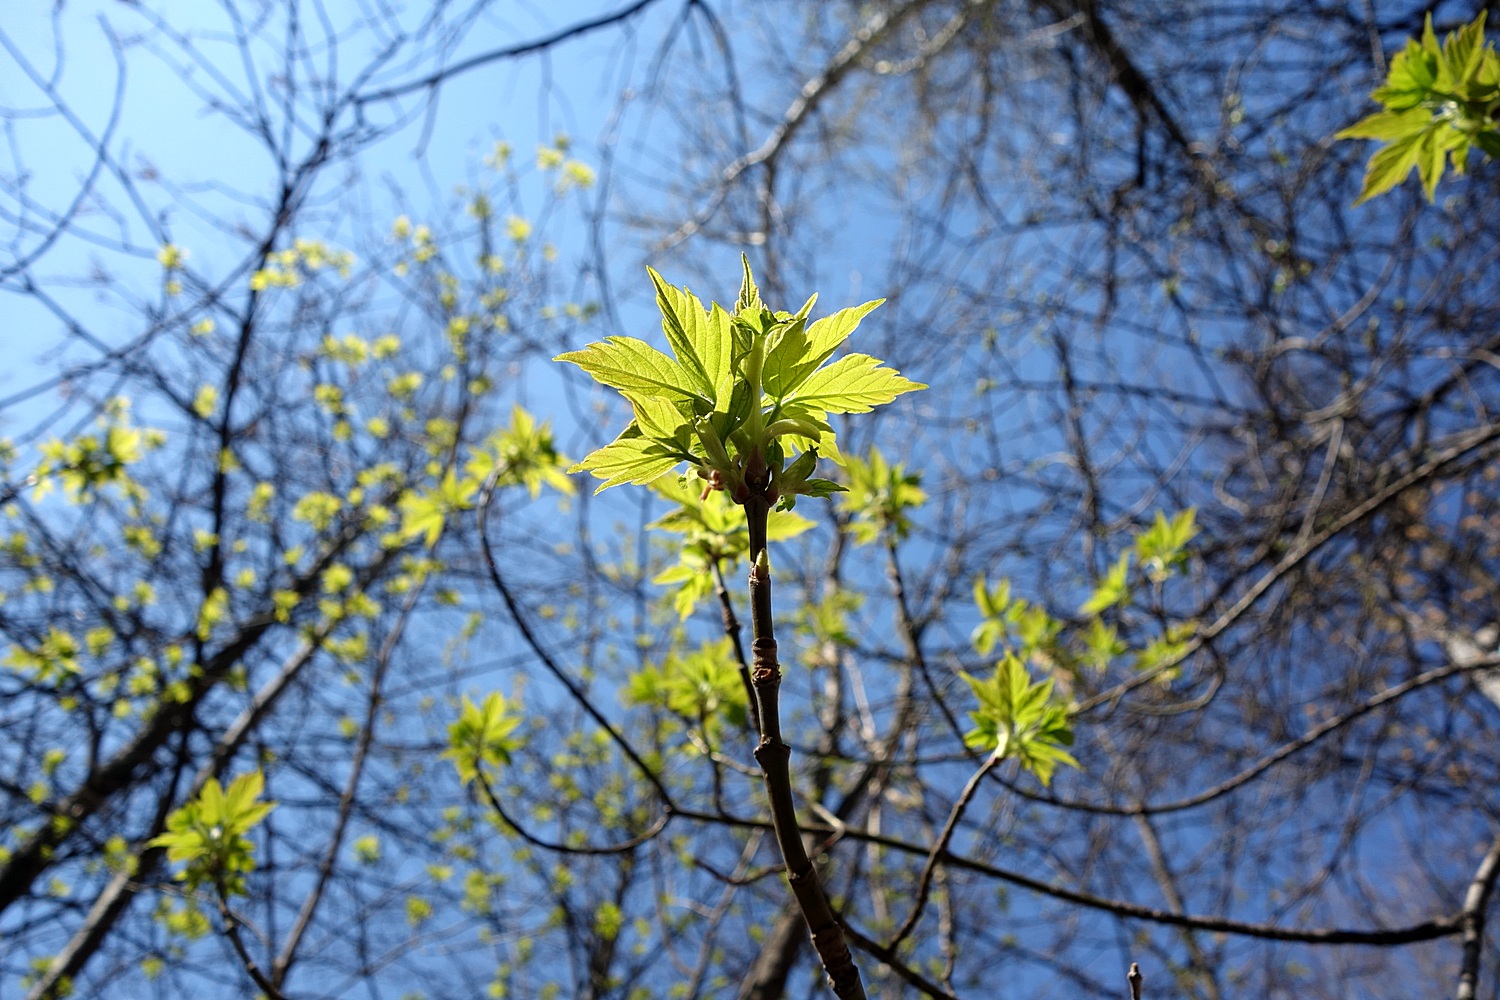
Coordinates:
1101 644
1438 100
783 525
1464 50
524 454
629 364
482 735
1434 150
242 810
713 528
426 512
825 335
1390 166
787 359
749 300
1161 547
709 406
991 603
1389 126
1113 590
660 418
700 341
702 686
366 849
208 833
880 496
820 488
694 584
630 458
1019 719
854 384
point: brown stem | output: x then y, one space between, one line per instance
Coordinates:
774 758
487 789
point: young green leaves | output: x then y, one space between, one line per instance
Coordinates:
699 686
209 833
714 531
744 398
1439 101
879 496
1019 719
483 735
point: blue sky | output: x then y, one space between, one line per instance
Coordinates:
163 126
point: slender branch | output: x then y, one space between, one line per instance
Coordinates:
232 931
774 758
486 497
909 633
710 932
887 957
1280 754
288 954
435 79
1476 901
732 630
107 779
802 107
924 884
1427 930
1466 442
113 901
561 848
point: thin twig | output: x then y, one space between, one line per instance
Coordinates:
732 630
433 80
1426 930
561 848
288 954
924 885
1467 442
909 634
1280 754
811 94
232 931
887 957
486 497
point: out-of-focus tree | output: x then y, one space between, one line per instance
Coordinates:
1208 461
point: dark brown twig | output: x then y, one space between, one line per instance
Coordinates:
887 957
1426 930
